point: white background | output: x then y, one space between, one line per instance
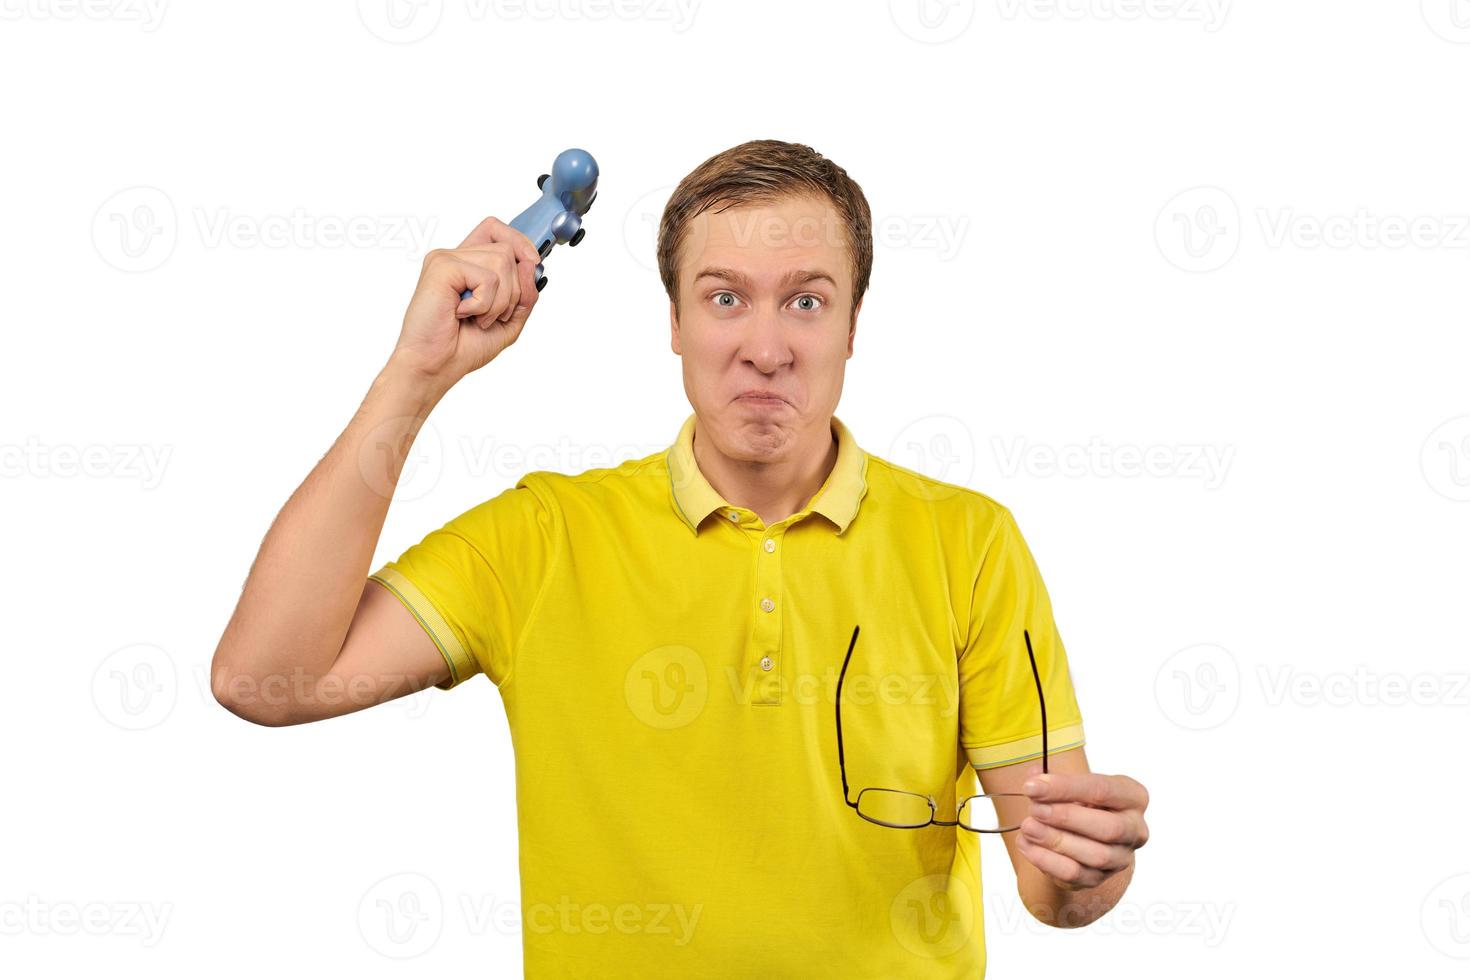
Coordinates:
1229 239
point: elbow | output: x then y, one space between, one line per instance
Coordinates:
1046 901
243 695
253 713
1063 907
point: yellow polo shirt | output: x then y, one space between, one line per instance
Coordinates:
668 665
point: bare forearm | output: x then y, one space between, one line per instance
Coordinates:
303 588
1069 908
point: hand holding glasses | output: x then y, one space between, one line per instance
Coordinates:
906 809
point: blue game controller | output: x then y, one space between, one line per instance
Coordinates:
567 193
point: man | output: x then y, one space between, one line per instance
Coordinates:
667 634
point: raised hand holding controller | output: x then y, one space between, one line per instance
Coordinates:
567 194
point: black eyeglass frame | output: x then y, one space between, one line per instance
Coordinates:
855 804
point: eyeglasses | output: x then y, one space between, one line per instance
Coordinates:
905 809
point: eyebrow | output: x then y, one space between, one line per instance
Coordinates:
792 278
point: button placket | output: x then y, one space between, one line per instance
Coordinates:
765 654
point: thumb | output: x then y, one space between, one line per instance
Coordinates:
1032 769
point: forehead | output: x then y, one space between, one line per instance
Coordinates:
771 237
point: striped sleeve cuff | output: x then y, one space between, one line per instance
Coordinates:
462 666
1025 749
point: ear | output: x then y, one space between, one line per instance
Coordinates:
674 328
852 330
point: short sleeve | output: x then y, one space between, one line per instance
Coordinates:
473 584
1000 712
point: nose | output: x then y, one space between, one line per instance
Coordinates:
764 345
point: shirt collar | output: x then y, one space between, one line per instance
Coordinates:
693 498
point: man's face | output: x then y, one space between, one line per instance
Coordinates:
765 303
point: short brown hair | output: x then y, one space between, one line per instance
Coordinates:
758 172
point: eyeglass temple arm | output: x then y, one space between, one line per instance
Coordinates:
841 762
1041 698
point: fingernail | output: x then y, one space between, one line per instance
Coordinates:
1033 786
1041 809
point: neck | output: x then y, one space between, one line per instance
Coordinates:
774 490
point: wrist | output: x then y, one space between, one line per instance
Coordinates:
409 381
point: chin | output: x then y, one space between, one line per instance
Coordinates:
754 437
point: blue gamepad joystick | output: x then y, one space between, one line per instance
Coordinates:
567 193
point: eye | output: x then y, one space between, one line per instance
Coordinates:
727 299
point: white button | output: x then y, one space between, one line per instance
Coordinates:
765 663
770 545
767 605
